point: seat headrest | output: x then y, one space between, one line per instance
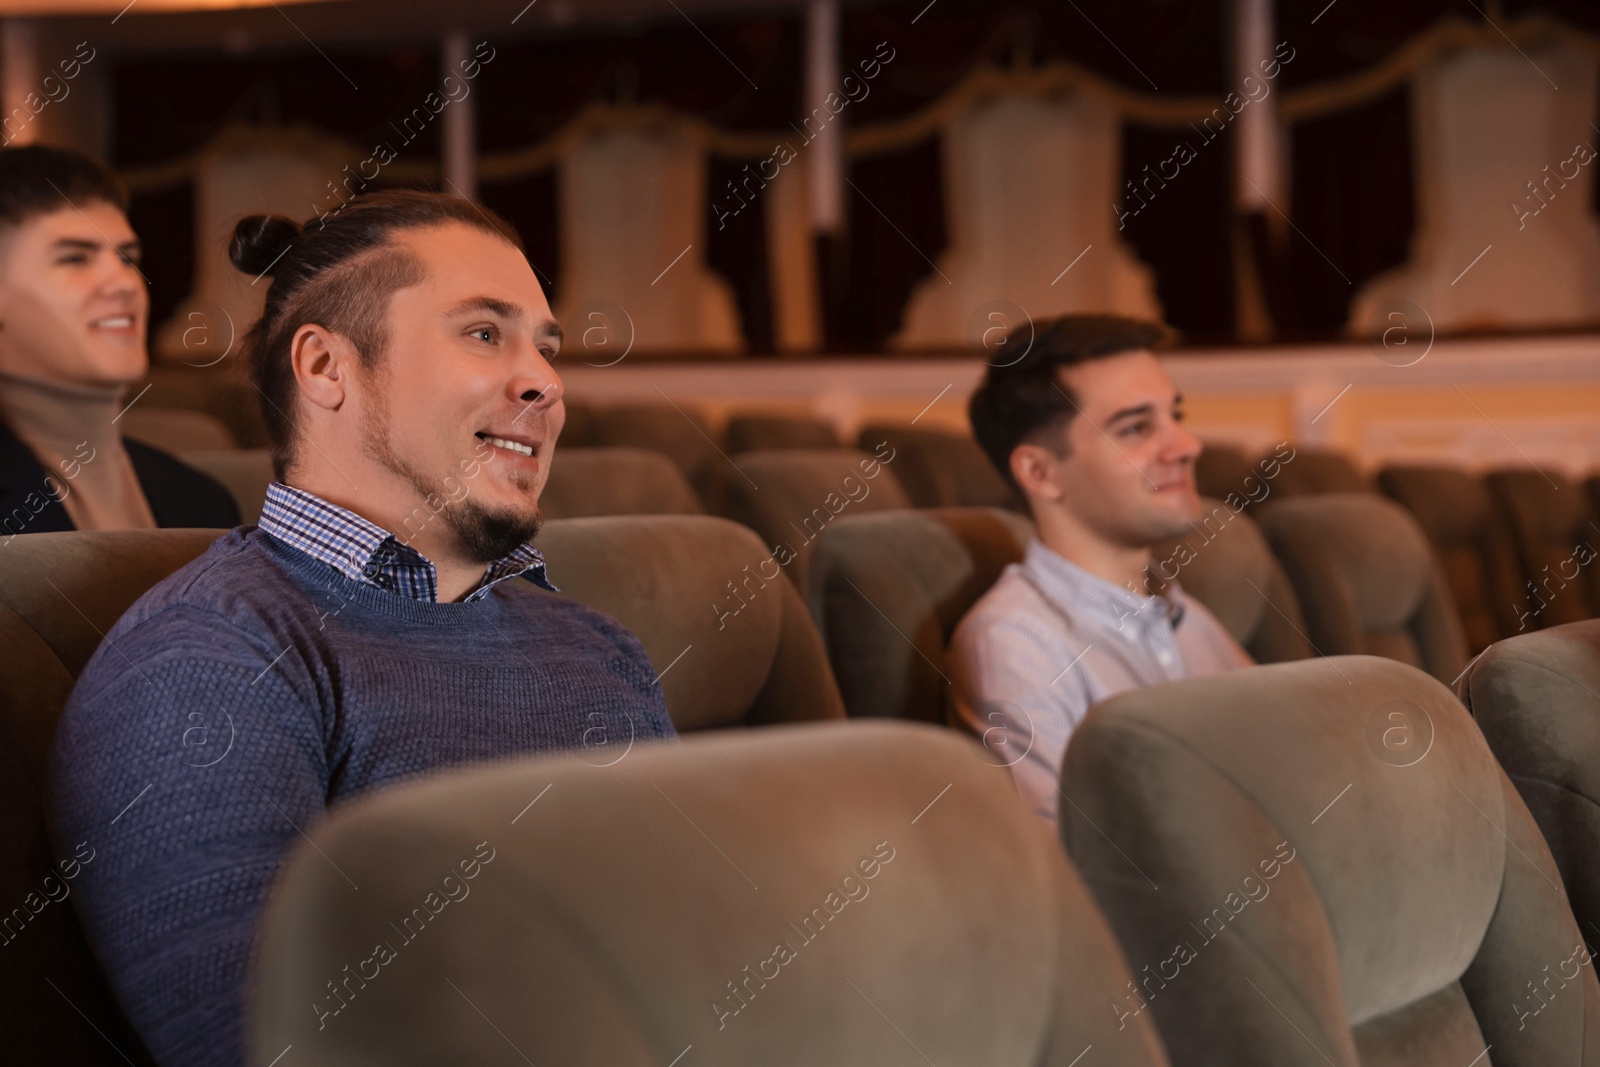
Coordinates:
726 631
1373 546
823 894
888 589
1451 505
585 482
1390 810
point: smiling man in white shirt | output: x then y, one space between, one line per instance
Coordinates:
1089 427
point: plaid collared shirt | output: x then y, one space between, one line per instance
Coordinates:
365 552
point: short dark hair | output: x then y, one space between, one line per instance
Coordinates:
38 179
1024 400
337 271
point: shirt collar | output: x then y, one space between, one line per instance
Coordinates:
363 551
1074 590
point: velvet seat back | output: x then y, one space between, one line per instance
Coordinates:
59 594
1536 698
887 591
586 482
724 659
1366 579
1473 545
1321 863
789 496
1224 563
939 469
849 894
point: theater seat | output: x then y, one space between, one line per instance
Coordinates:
1469 537
887 590
1222 469
789 496
193 385
244 472
678 433
59 594
941 470
729 637
172 430
1225 564
1366 580
751 433
1556 539
578 429
1316 471
615 481
1536 698
1320 863
850 895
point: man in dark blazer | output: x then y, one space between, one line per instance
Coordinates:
73 315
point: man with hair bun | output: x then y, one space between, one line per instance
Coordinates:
389 615
73 313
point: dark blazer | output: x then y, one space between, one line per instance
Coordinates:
179 496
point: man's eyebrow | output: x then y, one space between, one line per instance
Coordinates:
89 245
1142 410
494 305
552 329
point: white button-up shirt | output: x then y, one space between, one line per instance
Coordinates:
1050 640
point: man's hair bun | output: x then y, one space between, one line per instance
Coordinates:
259 242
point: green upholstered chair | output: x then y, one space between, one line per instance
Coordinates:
789 496
1536 698
1321 863
851 894
1472 543
1366 579
887 590
59 594
615 481
939 469
754 433
1225 563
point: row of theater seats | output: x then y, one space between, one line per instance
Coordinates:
1310 862
1514 544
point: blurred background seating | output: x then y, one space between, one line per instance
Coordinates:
1367 580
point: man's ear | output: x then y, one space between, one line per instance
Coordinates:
1034 468
324 363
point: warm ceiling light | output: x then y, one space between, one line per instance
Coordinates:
118 7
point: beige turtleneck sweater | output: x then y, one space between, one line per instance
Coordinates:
68 429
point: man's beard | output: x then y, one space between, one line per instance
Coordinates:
484 535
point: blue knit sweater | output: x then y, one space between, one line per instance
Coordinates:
247 693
